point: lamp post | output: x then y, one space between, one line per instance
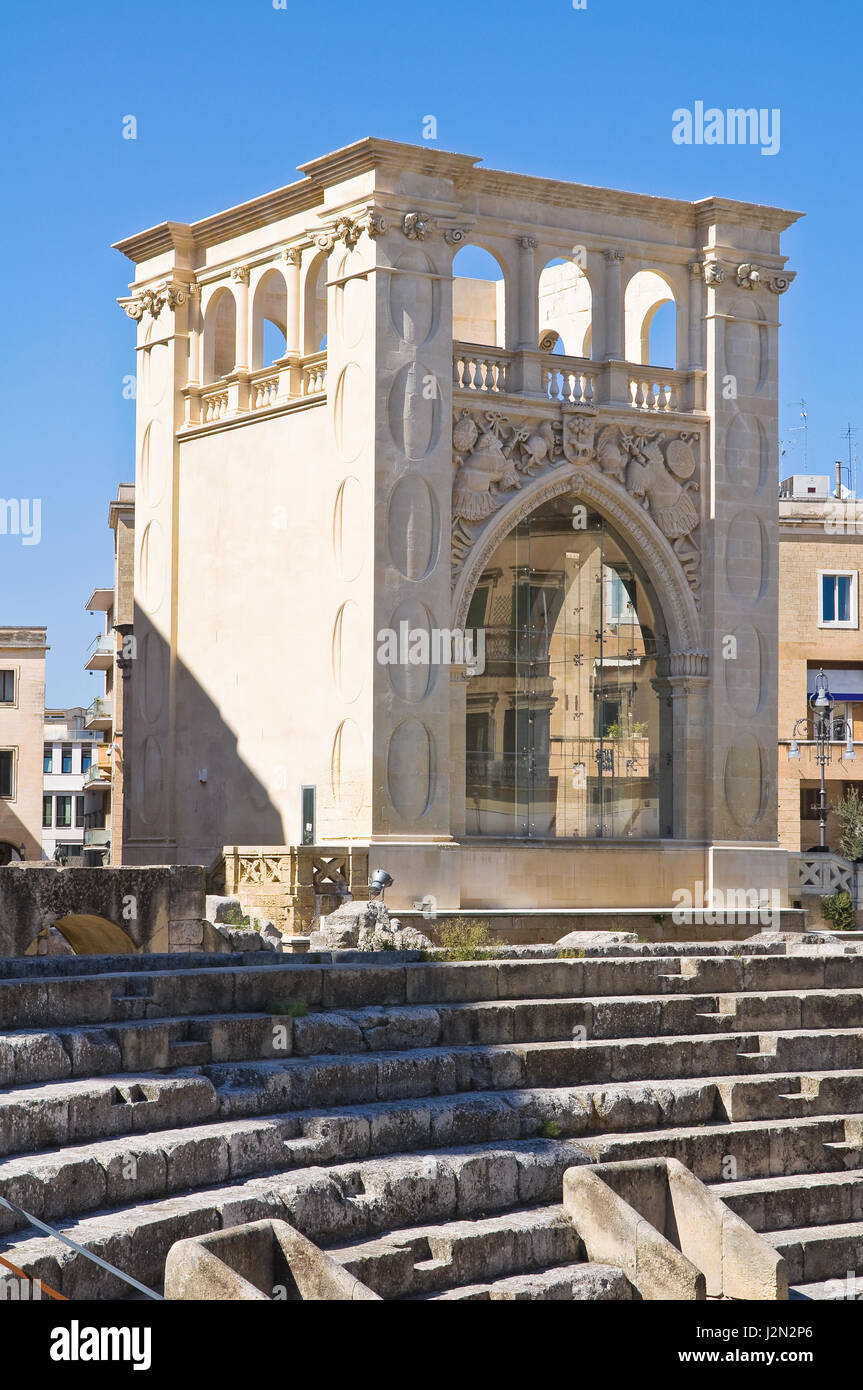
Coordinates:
819 727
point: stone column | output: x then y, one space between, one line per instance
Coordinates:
292 316
458 680
240 276
614 335
696 316
196 329
528 300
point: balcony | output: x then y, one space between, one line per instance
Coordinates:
100 601
97 778
97 838
101 653
241 394
575 381
100 714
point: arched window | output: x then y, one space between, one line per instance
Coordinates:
269 319
650 312
565 309
564 726
479 298
315 306
220 335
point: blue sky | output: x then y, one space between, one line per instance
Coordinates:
230 95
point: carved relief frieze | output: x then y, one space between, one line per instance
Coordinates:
748 276
657 467
349 229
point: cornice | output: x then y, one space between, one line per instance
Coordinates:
473 183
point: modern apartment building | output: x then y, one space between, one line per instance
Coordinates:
110 653
22 715
820 563
73 756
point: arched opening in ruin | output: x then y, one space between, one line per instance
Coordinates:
220 335
479 298
315 306
565 309
564 726
269 319
9 854
650 318
85 934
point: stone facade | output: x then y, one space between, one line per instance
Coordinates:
363 480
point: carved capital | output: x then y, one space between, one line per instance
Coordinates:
527 243
614 255
780 281
714 273
373 222
696 269
241 274
291 255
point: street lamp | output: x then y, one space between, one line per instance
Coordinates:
819 727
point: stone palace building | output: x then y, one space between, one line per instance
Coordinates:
349 456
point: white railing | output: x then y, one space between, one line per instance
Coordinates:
313 374
655 391
569 379
264 391
480 368
213 405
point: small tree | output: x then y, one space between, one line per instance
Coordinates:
849 813
839 910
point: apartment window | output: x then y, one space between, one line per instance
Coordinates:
79 812
7 687
48 759
66 756
7 773
47 811
64 811
837 598
86 759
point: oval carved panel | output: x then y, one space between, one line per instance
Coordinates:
349 412
151 677
157 371
152 465
412 675
347 768
744 767
743 349
152 560
414 299
413 527
348 649
152 781
746 557
745 671
349 529
410 769
415 411
352 301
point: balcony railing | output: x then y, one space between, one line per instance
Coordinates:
576 380
100 713
246 393
100 653
97 778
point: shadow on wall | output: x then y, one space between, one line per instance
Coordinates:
183 807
